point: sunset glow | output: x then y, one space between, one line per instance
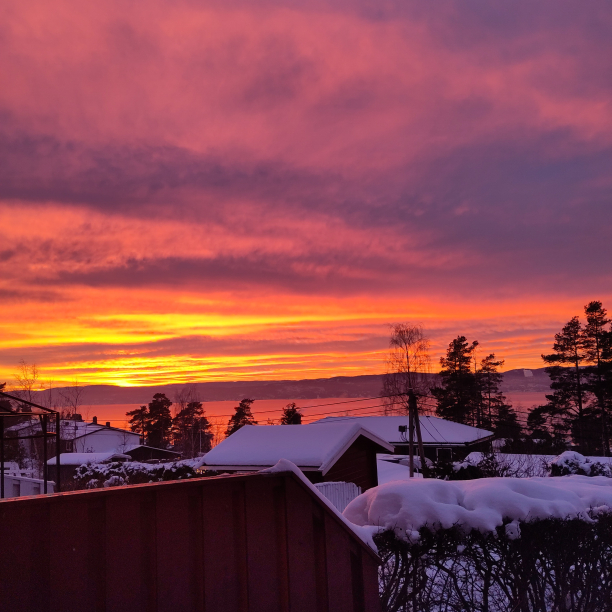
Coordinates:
230 190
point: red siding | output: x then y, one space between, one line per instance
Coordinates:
357 464
253 543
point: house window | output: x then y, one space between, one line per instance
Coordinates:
68 446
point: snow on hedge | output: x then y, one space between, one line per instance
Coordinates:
118 473
483 504
571 462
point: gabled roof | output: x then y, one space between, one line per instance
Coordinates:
434 431
307 446
82 458
71 429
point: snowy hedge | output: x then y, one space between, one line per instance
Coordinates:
494 544
574 463
116 473
556 565
486 465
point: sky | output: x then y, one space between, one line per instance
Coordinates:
201 190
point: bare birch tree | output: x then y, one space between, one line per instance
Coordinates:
405 381
408 364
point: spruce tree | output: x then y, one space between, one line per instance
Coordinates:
459 397
291 415
242 417
567 404
495 412
596 338
139 417
191 430
159 421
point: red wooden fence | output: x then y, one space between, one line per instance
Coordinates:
258 543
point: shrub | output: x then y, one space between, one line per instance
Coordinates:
116 473
541 566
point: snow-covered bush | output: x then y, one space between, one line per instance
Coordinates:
97 475
539 566
571 462
508 465
488 465
495 544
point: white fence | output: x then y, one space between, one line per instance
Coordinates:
341 494
18 486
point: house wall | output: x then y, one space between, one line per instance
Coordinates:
357 465
255 543
105 440
457 453
145 453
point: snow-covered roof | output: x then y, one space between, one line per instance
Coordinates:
82 458
70 429
482 504
433 430
307 446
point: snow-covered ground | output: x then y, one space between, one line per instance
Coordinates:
483 504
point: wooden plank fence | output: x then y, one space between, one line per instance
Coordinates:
258 543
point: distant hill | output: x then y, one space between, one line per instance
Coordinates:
338 386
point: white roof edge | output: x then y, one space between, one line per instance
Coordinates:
255 468
362 431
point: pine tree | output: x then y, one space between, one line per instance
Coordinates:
242 417
191 430
497 414
159 421
459 397
568 402
547 433
595 340
291 415
139 417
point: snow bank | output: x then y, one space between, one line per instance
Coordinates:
484 504
364 532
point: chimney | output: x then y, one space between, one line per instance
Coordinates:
108 423
95 420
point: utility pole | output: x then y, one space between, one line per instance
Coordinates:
411 438
414 417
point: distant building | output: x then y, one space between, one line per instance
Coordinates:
441 438
19 486
80 436
343 451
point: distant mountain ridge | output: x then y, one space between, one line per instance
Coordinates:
368 385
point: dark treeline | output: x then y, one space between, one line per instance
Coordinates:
188 432
576 414
577 411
